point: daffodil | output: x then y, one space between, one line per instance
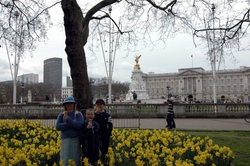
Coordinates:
33 144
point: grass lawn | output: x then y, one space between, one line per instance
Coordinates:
237 141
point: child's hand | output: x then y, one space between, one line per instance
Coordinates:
89 124
65 114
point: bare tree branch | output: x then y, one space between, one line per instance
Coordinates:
28 20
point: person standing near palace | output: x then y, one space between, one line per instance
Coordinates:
69 122
103 118
170 115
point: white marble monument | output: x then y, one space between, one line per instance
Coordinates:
137 85
29 96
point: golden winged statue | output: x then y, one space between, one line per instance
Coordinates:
137 65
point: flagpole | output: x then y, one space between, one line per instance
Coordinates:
192 60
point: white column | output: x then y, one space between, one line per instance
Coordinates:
110 60
15 65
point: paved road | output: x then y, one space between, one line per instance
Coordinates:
198 124
181 123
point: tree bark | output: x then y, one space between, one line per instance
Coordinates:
76 31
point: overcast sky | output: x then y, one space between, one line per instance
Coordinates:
174 55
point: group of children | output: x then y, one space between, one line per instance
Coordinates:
84 136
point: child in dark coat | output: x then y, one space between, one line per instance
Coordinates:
90 137
103 118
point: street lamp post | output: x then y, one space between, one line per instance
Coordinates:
15 65
168 89
113 45
110 59
214 60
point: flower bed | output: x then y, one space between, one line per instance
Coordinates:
24 143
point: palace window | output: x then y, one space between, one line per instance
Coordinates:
241 80
235 81
241 88
222 88
235 88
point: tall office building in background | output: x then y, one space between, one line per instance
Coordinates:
52 72
69 82
52 75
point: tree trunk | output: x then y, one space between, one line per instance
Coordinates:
76 37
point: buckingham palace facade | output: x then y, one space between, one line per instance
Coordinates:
196 84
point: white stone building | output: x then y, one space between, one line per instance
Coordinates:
66 92
28 78
196 84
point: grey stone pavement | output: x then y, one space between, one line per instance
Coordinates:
198 124
181 123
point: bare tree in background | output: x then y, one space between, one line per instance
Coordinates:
144 22
224 26
141 21
23 24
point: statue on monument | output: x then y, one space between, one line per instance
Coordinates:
137 65
137 88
